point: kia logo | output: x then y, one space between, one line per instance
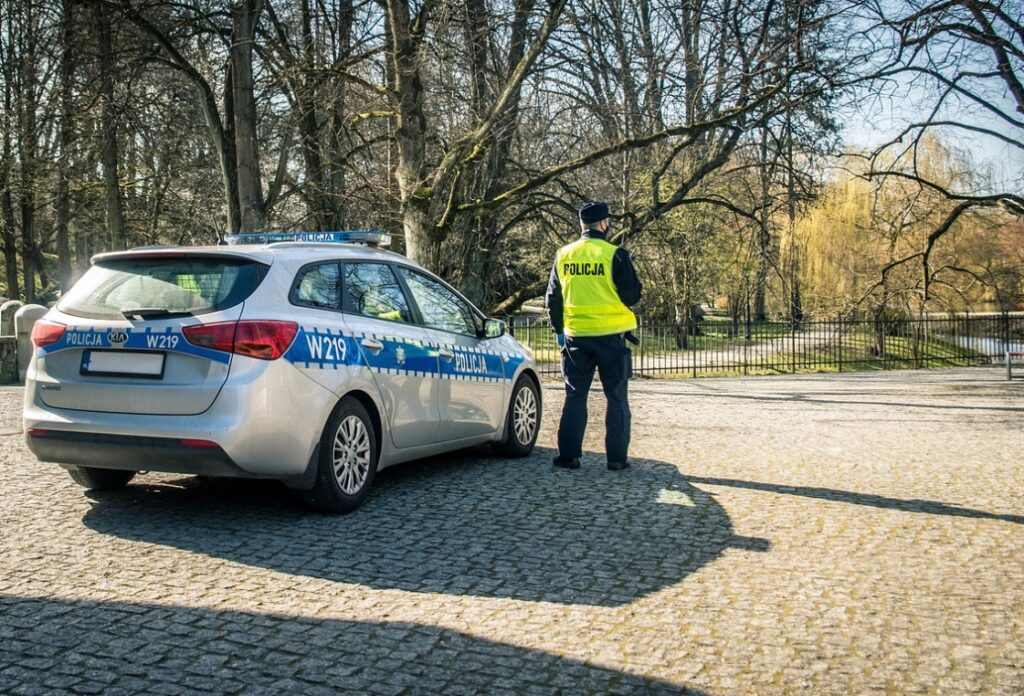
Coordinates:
118 338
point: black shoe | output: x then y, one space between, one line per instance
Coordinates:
573 463
618 466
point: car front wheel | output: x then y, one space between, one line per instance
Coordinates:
522 423
348 460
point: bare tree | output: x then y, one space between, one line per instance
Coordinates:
26 41
956 59
66 138
108 130
244 16
317 46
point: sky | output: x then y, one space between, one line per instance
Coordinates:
875 116
871 122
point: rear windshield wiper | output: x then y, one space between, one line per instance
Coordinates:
152 313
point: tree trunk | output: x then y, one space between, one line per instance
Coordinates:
336 169
26 105
475 277
476 32
763 236
82 254
108 129
652 64
679 306
690 22
306 91
337 166
481 237
761 280
26 208
67 133
796 309
250 189
419 245
8 226
410 135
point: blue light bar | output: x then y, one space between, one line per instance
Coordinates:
368 237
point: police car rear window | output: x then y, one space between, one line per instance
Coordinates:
151 288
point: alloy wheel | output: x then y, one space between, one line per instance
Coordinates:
351 455
525 415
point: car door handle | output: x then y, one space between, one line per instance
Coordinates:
446 354
372 345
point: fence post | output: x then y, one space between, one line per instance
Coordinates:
693 358
967 332
746 346
842 332
1006 332
643 340
792 347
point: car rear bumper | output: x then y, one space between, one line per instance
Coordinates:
127 452
265 423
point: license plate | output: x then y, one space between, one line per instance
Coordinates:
123 363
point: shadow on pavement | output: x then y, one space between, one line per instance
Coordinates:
108 647
463 524
930 507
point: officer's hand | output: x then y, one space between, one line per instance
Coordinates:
560 339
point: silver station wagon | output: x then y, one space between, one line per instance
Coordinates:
313 363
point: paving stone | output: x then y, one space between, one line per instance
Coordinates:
821 534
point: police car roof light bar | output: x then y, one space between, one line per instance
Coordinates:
371 238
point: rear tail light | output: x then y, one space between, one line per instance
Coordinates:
212 336
46 332
266 340
202 444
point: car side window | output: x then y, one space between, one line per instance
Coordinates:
441 308
318 286
373 291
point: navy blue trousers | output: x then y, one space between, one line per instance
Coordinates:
613 361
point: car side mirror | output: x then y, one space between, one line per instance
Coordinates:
494 328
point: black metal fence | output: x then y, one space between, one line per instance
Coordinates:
723 347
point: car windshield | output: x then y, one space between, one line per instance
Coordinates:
160 287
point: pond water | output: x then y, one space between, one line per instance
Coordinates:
988 345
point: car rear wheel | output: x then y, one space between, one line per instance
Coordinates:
100 479
522 423
348 460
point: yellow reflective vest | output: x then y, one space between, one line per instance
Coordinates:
590 302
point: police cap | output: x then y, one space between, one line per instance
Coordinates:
594 211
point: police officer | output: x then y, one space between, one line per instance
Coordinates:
592 282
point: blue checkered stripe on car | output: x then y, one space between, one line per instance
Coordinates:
325 349
167 340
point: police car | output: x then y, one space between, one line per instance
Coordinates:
313 362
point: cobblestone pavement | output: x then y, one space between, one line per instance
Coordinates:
844 534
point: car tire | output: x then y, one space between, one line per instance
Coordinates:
100 479
522 422
347 462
